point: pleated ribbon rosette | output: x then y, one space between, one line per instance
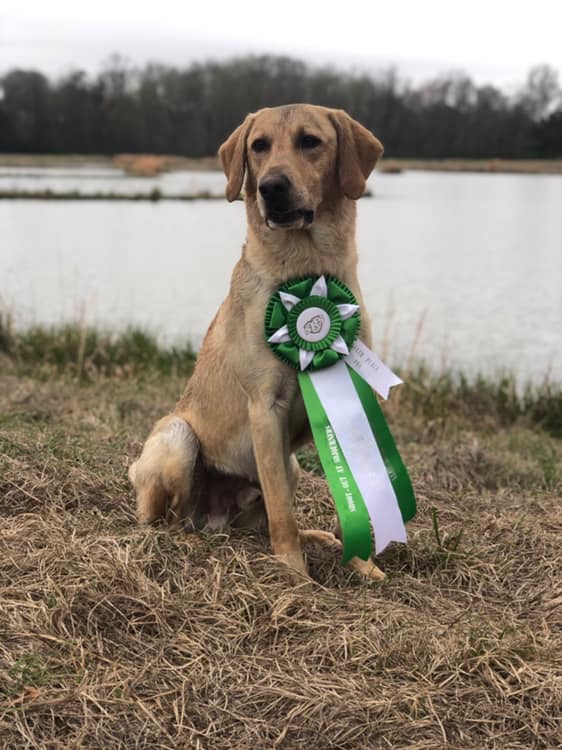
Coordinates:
313 324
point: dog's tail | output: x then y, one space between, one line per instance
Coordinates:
163 476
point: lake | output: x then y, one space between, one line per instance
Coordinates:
475 260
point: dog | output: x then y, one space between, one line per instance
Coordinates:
229 445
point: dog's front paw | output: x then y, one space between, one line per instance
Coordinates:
294 559
366 568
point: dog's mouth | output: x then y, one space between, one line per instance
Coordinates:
297 219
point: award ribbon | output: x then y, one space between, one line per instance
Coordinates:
312 325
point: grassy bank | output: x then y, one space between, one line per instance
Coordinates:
87 353
115 636
120 161
147 165
492 166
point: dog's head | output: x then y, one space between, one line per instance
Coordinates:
298 158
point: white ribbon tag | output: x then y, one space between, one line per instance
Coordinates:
372 369
345 413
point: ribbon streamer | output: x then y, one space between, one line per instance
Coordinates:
347 415
312 325
372 369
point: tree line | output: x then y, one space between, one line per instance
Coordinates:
165 110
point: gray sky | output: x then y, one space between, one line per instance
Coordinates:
493 40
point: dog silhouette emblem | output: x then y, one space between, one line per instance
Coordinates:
314 325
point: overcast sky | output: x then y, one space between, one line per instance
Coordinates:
493 40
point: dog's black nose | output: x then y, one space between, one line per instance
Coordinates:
275 189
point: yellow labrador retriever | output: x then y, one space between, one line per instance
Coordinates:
232 437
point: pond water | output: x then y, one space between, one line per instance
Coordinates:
473 260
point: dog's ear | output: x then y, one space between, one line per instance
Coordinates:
232 154
358 152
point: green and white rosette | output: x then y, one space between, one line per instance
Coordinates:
312 324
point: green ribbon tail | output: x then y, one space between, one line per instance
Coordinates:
396 470
350 506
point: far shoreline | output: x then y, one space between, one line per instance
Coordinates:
149 165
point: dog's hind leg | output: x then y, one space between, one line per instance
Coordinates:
163 476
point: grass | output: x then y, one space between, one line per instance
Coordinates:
88 353
32 161
116 636
148 165
499 166
154 196
484 401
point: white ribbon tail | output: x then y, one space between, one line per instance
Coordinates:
345 412
372 369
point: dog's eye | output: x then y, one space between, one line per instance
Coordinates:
260 145
309 141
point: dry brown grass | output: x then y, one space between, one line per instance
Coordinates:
114 636
515 166
33 161
142 165
149 165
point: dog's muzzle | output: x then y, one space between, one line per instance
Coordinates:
275 191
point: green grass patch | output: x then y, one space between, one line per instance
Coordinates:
86 352
484 399
27 671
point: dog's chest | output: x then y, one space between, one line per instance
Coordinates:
297 417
